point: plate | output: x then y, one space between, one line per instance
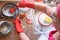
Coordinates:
44 19
40 19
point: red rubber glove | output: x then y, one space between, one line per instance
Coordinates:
26 4
18 26
51 35
39 0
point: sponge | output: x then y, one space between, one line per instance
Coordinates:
48 19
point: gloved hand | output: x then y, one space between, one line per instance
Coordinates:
51 35
26 4
18 26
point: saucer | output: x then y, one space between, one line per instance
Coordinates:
44 19
41 20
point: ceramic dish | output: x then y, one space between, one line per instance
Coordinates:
41 20
44 19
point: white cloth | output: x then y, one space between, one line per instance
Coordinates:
42 37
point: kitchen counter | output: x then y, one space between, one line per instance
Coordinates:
13 35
